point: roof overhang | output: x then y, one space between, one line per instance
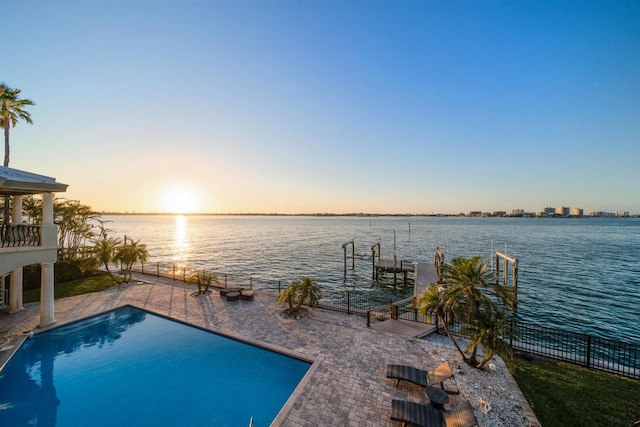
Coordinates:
18 182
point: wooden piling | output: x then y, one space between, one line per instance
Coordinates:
353 256
505 272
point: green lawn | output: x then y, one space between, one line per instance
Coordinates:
76 287
564 395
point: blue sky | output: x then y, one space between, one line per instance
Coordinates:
329 106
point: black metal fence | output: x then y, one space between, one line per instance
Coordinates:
351 301
347 301
582 349
593 352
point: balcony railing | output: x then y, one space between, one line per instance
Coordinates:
19 235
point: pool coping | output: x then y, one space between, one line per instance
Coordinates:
6 353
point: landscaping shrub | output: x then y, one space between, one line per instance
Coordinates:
31 277
65 271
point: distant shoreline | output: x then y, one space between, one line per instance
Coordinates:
363 215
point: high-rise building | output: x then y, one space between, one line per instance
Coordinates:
577 212
548 211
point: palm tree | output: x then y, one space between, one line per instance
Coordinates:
300 291
75 225
203 279
130 253
12 110
470 293
288 295
105 252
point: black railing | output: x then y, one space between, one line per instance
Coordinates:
603 354
347 301
224 280
592 352
407 312
351 301
19 235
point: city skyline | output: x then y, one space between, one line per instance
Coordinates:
547 211
294 108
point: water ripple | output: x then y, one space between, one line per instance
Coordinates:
577 274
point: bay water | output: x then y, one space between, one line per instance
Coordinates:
576 274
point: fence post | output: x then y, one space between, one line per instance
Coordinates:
174 272
142 267
344 249
250 282
588 351
348 302
279 289
225 280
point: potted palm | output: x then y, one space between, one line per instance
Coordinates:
297 294
203 280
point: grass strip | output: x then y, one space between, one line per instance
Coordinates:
76 287
564 395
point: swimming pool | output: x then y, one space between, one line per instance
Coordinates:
132 367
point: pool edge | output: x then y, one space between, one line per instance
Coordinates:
7 354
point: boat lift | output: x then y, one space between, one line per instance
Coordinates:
507 273
375 252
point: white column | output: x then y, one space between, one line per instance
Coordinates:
47 269
46 294
15 291
15 281
16 212
47 208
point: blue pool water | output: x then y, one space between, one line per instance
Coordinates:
130 367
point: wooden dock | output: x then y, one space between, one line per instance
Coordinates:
399 266
393 266
426 274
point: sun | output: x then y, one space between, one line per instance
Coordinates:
181 199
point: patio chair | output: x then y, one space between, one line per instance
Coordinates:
417 414
419 376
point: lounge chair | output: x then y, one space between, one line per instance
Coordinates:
419 376
417 414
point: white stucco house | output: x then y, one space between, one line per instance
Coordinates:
24 244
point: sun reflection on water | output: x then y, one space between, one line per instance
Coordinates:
181 240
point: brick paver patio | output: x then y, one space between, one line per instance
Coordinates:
346 387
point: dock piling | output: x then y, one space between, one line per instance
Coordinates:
353 256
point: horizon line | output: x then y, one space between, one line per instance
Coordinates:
496 214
